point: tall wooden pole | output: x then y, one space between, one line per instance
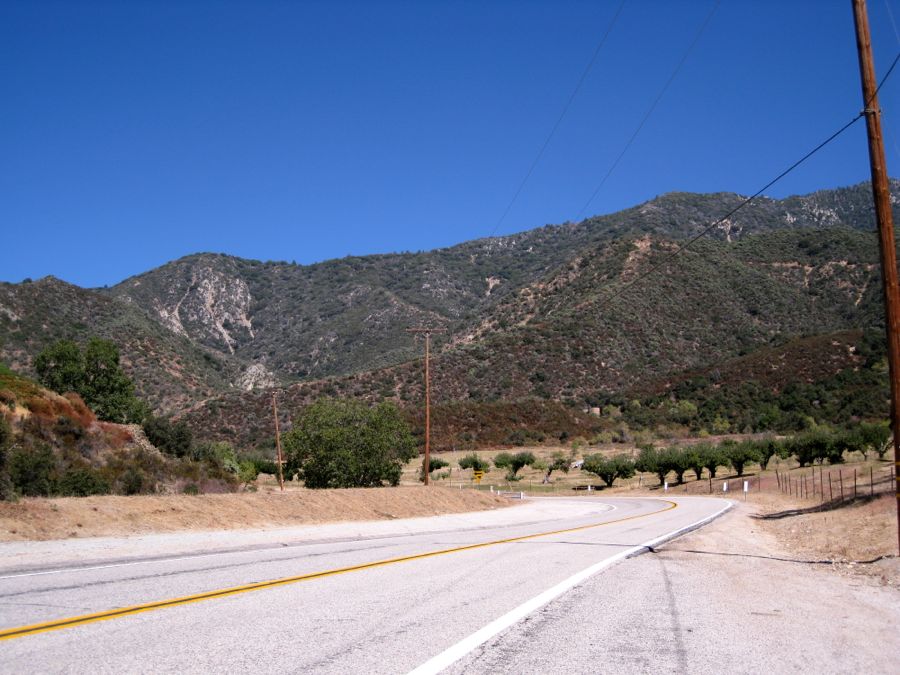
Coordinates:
427 407
280 460
882 194
427 461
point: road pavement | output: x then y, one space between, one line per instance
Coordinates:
392 598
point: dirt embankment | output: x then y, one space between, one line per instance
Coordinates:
43 519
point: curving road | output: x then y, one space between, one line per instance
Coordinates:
379 597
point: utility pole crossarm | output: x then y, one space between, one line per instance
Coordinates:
427 332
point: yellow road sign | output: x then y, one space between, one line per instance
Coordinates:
478 475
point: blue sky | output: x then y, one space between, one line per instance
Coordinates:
135 132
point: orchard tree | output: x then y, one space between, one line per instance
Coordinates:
340 443
559 462
655 461
712 458
609 468
474 462
740 454
513 463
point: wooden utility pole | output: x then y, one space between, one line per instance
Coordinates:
280 460
882 194
426 331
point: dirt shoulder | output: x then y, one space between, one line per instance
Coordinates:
62 518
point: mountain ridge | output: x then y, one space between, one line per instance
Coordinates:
209 323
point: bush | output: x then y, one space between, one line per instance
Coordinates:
343 443
133 481
434 463
171 438
82 482
31 471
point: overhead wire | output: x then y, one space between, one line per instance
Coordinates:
671 255
559 120
652 107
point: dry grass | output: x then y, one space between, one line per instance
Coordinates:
42 519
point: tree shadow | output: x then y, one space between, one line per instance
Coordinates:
831 505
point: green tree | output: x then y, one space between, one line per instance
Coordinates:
712 458
107 390
740 454
872 436
694 460
60 367
338 443
474 462
94 374
655 461
513 463
679 461
558 462
609 468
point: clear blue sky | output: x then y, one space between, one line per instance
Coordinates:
135 132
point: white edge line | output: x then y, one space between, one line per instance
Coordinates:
452 654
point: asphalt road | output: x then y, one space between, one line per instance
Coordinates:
451 591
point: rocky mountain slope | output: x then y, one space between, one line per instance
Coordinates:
545 313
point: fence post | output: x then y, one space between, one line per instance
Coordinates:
854 483
841 480
830 489
871 482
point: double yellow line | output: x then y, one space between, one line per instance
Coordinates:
72 621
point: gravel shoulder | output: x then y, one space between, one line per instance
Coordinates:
732 596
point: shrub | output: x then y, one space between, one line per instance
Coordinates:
81 482
434 463
133 481
171 438
31 471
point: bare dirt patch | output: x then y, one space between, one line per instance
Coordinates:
43 519
859 537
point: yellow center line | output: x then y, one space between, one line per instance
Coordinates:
69 622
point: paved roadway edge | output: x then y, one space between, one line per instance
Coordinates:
465 646
69 622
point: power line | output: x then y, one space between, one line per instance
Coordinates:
749 199
562 115
652 107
